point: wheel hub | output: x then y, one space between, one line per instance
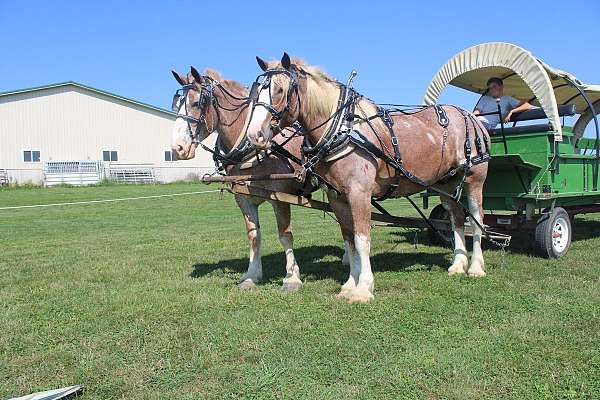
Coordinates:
560 235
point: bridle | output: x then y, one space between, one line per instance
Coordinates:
258 86
206 89
206 99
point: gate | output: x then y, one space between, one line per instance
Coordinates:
74 173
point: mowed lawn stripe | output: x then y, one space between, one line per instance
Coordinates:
138 300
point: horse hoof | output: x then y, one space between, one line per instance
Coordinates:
343 295
459 265
359 296
456 270
290 287
247 284
476 272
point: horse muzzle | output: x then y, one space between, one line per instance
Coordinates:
261 139
184 150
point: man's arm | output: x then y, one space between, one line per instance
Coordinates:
476 111
522 106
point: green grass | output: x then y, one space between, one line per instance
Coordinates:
138 300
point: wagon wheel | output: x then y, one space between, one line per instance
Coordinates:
445 239
553 233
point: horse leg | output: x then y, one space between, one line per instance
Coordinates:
351 261
292 281
475 200
346 256
250 211
343 214
357 235
457 219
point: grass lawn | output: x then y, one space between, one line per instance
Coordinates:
138 300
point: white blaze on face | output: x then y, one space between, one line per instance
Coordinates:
260 113
180 128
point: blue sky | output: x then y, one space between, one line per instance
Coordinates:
129 47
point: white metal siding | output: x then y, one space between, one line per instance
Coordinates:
73 123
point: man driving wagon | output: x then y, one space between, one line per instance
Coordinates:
487 106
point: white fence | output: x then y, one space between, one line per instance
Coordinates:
3 177
75 173
88 172
132 173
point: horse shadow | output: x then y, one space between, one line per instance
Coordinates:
324 262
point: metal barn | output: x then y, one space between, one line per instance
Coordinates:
72 133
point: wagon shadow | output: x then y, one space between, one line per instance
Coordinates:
324 262
522 241
585 228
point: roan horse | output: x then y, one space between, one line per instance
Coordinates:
206 104
433 153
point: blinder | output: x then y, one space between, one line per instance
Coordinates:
258 86
206 97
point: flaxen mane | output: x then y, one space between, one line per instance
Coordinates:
323 90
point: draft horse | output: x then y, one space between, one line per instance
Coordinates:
206 104
365 152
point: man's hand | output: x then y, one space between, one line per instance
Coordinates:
523 106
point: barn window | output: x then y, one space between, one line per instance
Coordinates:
31 156
109 155
170 155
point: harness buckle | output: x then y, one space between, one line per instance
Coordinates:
387 119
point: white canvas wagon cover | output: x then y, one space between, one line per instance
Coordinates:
525 77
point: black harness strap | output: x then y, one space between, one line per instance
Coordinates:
443 120
442 116
358 139
332 138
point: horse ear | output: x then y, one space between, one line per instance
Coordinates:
179 78
195 74
262 63
285 61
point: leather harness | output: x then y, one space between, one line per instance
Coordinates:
336 137
222 157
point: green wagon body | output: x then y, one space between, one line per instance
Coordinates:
539 176
539 171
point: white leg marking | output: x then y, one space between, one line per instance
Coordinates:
461 262
353 275
254 273
292 281
364 289
476 267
